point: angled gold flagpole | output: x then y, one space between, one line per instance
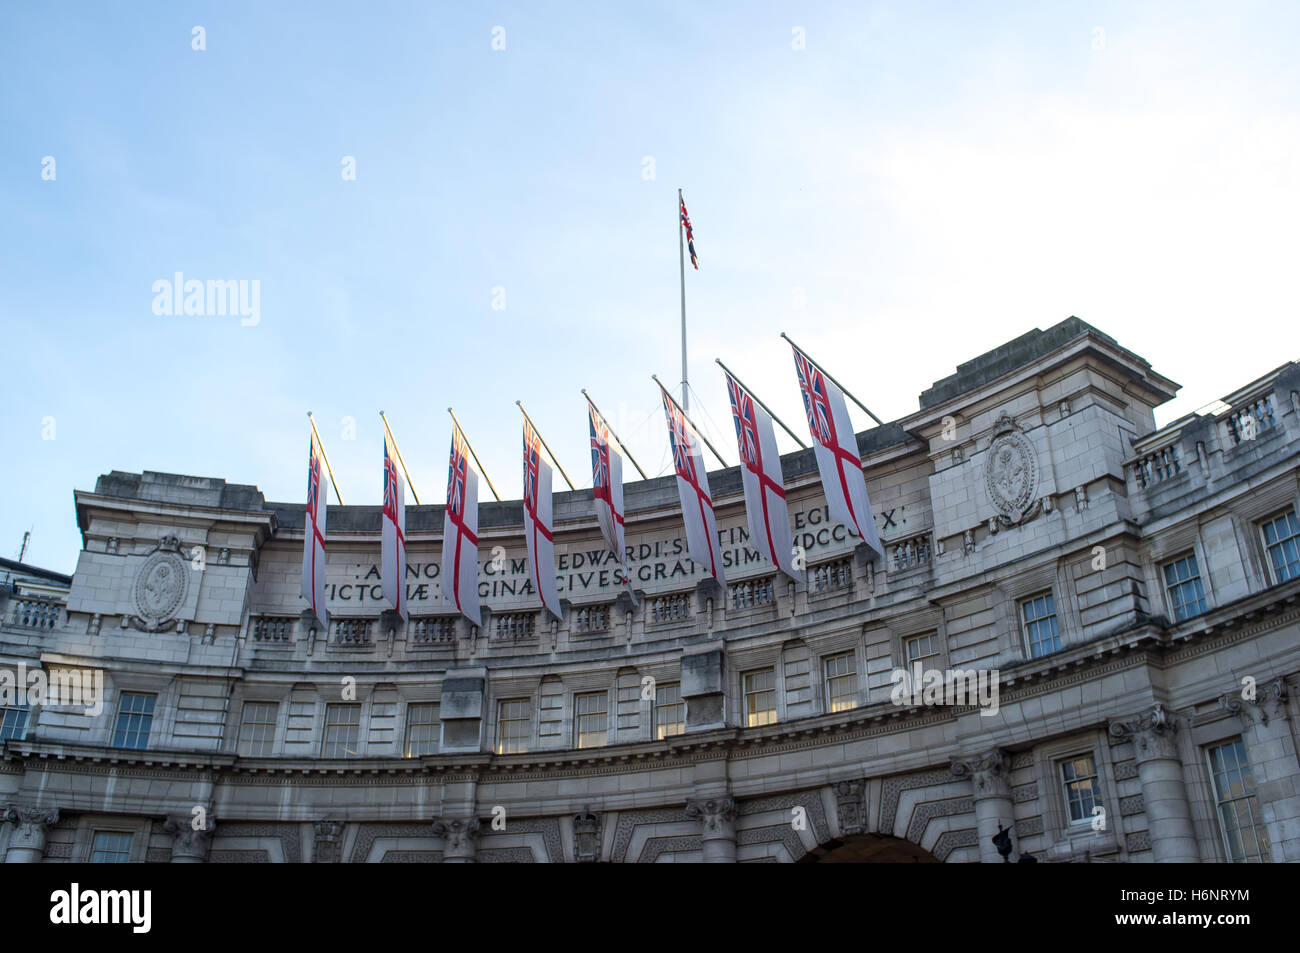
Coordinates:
760 403
543 442
614 435
470 446
328 468
398 449
655 378
879 422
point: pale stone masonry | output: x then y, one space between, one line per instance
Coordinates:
1135 591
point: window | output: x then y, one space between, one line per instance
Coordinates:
1234 790
1183 583
13 723
423 732
669 712
1282 541
760 697
514 724
921 647
257 733
591 719
342 731
1041 633
134 721
841 682
111 847
1082 793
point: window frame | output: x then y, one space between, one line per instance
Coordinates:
120 731
327 744
655 705
528 735
1097 795
1197 578
436 741
1258 827
97 833
1025 623
745 694
21 734
601 715
274 725
1261 526
828 680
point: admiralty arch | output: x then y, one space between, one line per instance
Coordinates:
1131 591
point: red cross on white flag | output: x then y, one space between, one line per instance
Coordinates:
313 549
393 525
760 471
836 447
460 533
693 489
538 523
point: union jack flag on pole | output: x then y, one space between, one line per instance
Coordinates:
836 447
607 484
460 533
313 550
693 489
690 236
393 528
760 471
538 523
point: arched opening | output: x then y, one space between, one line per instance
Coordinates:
869 849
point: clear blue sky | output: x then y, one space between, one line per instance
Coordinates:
918 184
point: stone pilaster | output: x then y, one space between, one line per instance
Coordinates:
717 817
990 777
31 824
1160 772
189 844
460 839
1270 746
328 842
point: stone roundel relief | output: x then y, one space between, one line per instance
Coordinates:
1011 474
160 586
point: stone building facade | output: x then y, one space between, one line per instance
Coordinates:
1133 589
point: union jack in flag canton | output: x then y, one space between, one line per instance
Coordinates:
836 448
693 491
539 530
393 526
764 483
459 569
313 551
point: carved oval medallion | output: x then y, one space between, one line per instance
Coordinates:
1011 474
160 586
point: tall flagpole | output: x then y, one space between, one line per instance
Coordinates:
681 261
321 443
398 450
470 447
542 440
626 452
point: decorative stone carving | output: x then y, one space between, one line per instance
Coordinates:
223 556
160 587
968 542
1065 408
1080 498
989 773
210 633
956 455
1269 704
1011 474
1152 733
27 843
93 626
189 845
460 838
850 806
586 837
112 545
328 843
718 815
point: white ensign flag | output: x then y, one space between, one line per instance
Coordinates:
538 524
393 542
836 446
313 549
693 489
460 533
760 471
